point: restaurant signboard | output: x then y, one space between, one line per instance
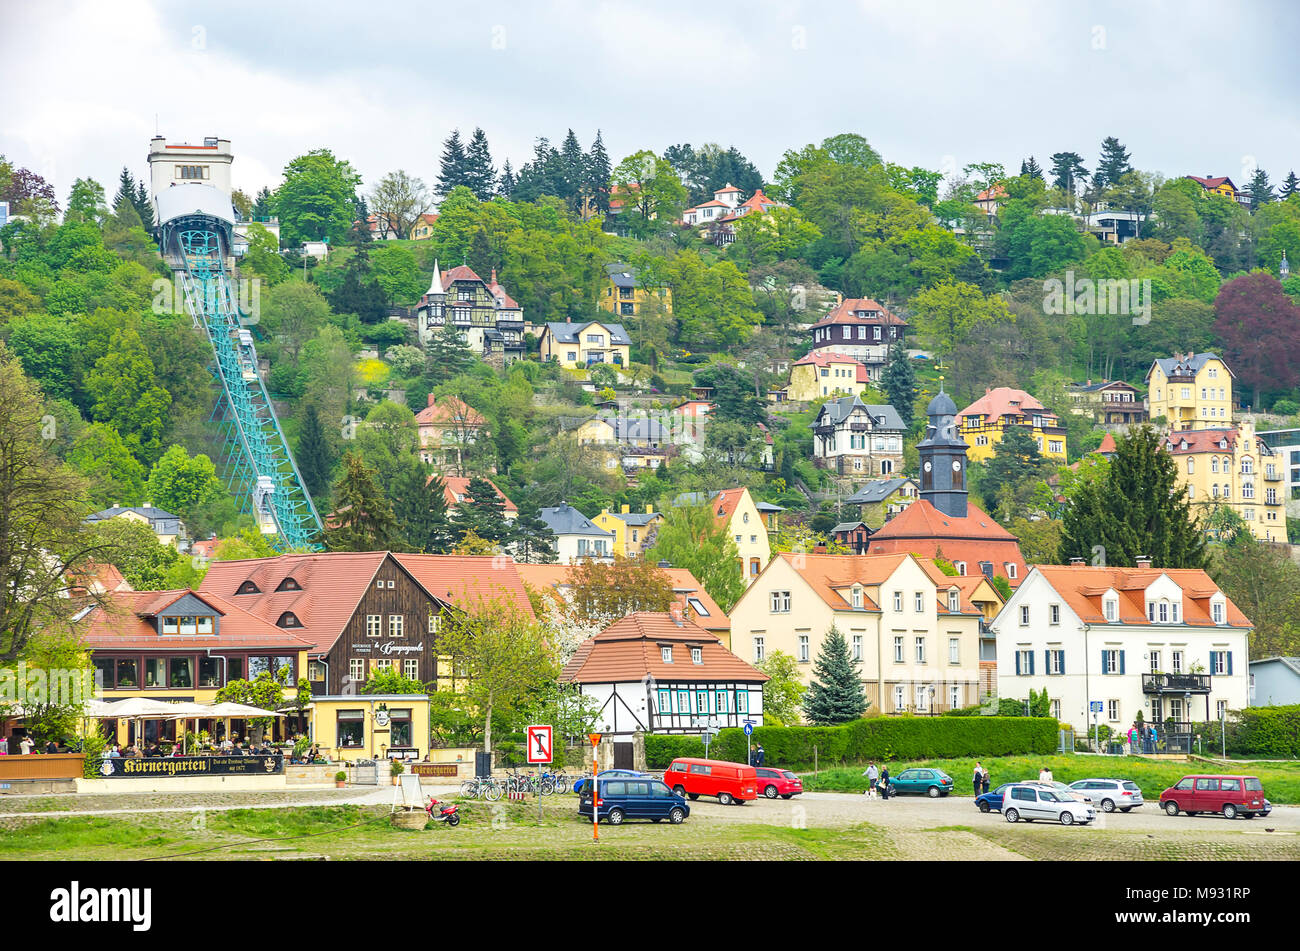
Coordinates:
156 766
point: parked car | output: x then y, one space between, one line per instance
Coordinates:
778 782
582 783
992 801
1032 802
1230 795
730 782
623 798
1060 787
932 782
1110 794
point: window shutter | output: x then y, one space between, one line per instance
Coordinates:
1031 663
1214 661
1121 662
1229 663
1062 662
1018 663
1047 661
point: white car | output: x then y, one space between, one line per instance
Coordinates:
1030 802
1110 794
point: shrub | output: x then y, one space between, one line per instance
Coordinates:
662 750
340 777
1266 731
92 747
1286 407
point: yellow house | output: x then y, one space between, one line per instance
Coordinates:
631 529
914 630
422 230
623 296
1233 467
746 523
1191 391
822 374
1217 185
581 346
368 726
983 423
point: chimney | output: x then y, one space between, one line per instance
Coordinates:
624 510
431 399
676 612
1076 562
649 509
1143 561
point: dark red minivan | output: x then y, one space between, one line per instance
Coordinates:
1231 796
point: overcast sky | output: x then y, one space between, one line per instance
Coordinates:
1188 87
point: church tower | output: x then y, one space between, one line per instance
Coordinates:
943 458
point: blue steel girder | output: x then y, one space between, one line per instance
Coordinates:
254 444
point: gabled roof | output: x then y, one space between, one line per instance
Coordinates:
1192 441
457 487
883 417
833 576
504 300
1084 586
564 519
1004 401
827 358
125 621
877 491
928 533
685 588
846 313
850 526
631 648
1099 385
150 513
450 410
461 272
992 194
467 581
571 333
1290 663
1107 447
1212 182
1188 365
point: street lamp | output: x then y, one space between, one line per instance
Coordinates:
931 699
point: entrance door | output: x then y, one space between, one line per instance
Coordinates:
622 755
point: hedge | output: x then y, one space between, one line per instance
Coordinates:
1266 731
877 738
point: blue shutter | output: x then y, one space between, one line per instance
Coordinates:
1047 661
1017 663
1229 663
1031 663
1121 662
1214 662
1063 662
1104 665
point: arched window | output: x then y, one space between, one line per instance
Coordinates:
288 619
248 588
1214 463
288 584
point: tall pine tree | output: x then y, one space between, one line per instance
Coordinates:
479 174
531 539
835 695
1113 164
507 183
144 205
1068 171
1031 167
125 189
598 172
573 165
1289 186
899 382
363 517
315 455
1259 190
453 164
420 505
483 512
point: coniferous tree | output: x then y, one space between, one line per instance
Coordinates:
480 176
598 172
1113 164
1289 186
262 206
531 539
315 455
1259 190
1133 507
573 167
420 505
899 382
452 172
1031 167
835 695
1068 171
359 293
144 205
483 512
507 183
363 516
125 189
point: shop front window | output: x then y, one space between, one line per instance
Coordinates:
182 672
351 729
128 674
400 725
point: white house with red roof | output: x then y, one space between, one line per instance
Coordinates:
861 328
1167 643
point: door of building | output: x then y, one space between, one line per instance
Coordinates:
623 756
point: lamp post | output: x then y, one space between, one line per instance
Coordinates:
931 699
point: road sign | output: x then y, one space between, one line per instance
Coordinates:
595 738
539 744
749 728
1095 706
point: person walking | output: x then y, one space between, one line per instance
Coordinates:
873 777
884 783
978 779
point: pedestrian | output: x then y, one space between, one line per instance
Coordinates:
873 777
978 779
759 755
1044 775
884 783
4 746
26 745
985 783
51 747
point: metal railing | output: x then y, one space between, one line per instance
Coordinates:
1175 683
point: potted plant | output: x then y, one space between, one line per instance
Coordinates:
340 779
397 769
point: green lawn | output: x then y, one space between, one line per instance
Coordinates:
1281 780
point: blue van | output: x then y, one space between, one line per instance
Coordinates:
643 798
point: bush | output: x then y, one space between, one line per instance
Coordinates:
1266 731
92 747
1286 407
662 750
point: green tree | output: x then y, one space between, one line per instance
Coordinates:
483 512
652 194
399 199
478 175
899 382
531 539
783 692
265 692
363 518
49 351
124 393
420 505
114 475
1264 583
86 202
317 200
453 172
263 256
503 654
1016 462
135 550
600 594
179 483
315 455
949 312
692 538
836 694
1132 507
392 682
1113 163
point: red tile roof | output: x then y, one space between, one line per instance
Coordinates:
1107 445
1004 401
467 581
928 533
630 649
461 272
1209 182
503 299
458 486
845 314
725 502
685 585
1082 587
450 410
992 194
1201 440
123 622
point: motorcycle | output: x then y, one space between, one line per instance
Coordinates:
446 812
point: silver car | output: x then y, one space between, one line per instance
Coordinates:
1031 802
1110 794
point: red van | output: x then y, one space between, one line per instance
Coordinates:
1230 795
730 782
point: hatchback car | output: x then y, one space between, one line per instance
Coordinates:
1110 794
1037 802
1231 796
581 784
992 801
645 798
778 782
931 782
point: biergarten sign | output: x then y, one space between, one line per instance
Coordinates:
157 766
388 647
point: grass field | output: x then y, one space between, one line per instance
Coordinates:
1281 780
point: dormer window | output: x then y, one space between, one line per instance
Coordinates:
857 597
954 601
288 619
697 655
1110 608
288 584
666 654
248 588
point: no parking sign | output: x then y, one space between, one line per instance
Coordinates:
539 744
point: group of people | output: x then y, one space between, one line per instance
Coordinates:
756 755
877 782
980 781
155 751
28 746
1141 738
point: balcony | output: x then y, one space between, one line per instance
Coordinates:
1175 683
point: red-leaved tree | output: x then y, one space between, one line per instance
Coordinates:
1259 326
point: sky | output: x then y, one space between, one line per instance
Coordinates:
1188 87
